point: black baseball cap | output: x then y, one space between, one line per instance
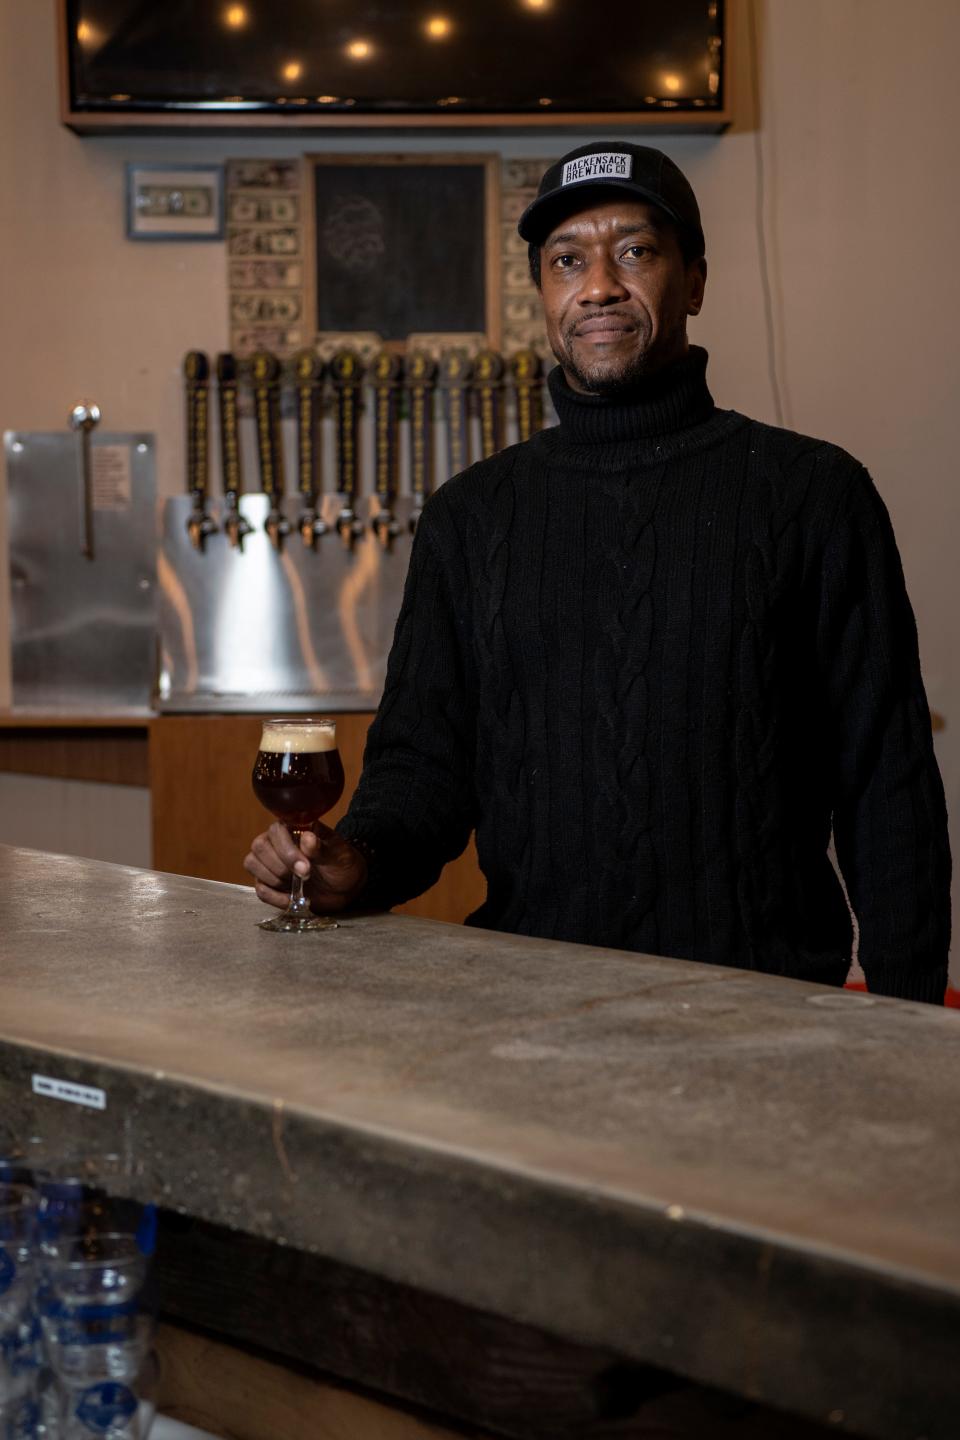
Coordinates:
590 171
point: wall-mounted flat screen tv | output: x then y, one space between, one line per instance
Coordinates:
395 57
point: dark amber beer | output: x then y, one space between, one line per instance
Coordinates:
298 774
298 777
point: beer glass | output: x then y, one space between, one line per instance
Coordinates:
98 1324
19 1349
298 777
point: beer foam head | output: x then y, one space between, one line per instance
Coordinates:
298 737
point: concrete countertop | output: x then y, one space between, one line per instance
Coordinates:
752 1181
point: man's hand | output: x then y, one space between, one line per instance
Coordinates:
334 871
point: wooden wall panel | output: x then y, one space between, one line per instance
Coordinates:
109 755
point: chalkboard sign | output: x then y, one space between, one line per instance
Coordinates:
406 244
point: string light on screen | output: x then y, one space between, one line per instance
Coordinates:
438 27
536 4
86 33
359 49
672 83
292 70
236 16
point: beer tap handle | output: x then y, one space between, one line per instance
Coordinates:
196 369
421 377
235 525
347 373
455 376
387 378
527 369
308 370
84 419
488 380
265 373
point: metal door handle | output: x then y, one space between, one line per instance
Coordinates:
84 419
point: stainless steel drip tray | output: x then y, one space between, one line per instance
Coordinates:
294 629
284 703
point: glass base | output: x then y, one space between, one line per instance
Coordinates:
291 923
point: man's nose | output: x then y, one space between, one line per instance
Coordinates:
602 283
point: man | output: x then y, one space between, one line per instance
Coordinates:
653 654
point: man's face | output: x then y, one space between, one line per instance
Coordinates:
616 294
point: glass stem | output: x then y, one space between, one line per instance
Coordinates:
299 904
298 901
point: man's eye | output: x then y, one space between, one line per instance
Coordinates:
638 250
563 262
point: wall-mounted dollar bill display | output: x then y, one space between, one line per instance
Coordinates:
282 340
263 174
512 247
522 318
521 309
516 275
264 242
366 343
277 309
522 174
265 275
514 203
264 209
437 343
166 200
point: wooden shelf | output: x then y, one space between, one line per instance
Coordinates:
63 720
104 749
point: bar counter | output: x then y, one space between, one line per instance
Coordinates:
749 1182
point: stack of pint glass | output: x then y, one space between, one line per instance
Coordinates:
76 1306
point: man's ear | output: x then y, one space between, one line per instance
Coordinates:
696 281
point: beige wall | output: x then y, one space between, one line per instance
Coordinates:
860 112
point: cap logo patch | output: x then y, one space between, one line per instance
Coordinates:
609 165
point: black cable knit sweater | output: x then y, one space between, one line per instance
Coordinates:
650 656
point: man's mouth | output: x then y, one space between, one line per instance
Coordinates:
604 329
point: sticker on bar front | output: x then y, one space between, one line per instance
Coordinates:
87 1095
101 1406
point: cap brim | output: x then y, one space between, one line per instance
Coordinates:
545 213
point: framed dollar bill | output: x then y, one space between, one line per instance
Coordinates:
174 202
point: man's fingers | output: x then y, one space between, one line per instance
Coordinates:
334 868
271 896
287 849
263 862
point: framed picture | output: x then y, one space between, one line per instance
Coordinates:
405 244
174 202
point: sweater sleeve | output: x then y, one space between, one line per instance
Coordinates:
889 819
414 804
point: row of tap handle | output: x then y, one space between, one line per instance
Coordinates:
467 386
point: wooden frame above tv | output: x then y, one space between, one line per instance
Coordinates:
294 121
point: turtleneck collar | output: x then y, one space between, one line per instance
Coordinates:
672 400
